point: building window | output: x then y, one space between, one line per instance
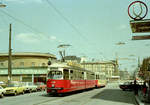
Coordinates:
1 64
12 64
43 64
33 64
21 64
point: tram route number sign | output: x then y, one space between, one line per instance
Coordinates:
143 37
140 26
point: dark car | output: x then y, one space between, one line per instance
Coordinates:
127 86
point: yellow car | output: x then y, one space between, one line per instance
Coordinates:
14 89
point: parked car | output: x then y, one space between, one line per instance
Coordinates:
127 86
2 84
40 86
29 87
2 91
14 88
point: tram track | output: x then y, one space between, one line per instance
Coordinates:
65 99
45 101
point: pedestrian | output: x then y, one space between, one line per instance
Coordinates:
135 88
144 89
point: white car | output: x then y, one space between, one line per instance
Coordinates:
2 91
29 87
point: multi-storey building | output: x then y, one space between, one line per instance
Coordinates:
108 67
25 66
144 71
124 75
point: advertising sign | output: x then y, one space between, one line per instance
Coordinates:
141 26
143 37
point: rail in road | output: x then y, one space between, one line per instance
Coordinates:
109 95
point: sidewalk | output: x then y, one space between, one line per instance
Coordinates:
140 99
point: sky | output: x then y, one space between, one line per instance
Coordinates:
91 27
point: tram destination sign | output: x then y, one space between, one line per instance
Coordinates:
140 26
143 37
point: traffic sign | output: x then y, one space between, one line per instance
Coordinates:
143 37
140 26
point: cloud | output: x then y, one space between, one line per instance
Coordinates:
27 38
122 27
52 38
1 30
33 38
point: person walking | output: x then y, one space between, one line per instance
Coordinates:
135 88
144 89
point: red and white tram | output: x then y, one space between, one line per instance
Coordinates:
100 79
63 78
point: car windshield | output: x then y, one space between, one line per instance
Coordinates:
39 83
55 75
128 83
12 85
27 83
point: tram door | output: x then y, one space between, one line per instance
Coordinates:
66 74
85 76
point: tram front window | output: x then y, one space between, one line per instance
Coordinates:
55 75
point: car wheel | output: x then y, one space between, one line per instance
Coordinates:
22 92
2 95
36 90
30 91
41 89
15 93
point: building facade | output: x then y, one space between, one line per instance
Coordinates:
28 67
107 67
144 71
124 75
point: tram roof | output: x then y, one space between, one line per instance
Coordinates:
65 65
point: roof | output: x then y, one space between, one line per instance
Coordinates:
101 62
66 65
33 54
72 58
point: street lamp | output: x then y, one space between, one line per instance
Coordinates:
120 43
2 5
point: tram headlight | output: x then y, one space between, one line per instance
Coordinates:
53 85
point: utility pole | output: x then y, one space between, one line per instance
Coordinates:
9 57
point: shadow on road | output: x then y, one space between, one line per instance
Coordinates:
116 95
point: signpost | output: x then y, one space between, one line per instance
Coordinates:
140 26
143 37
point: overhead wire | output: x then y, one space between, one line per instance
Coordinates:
20 21
37 31
31 28
69 22
3 19
65 19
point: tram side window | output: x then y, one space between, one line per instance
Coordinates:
88 76
66 74
97 76
71 74
79 75
91 76
82 75
76 76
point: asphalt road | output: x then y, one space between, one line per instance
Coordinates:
109 95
